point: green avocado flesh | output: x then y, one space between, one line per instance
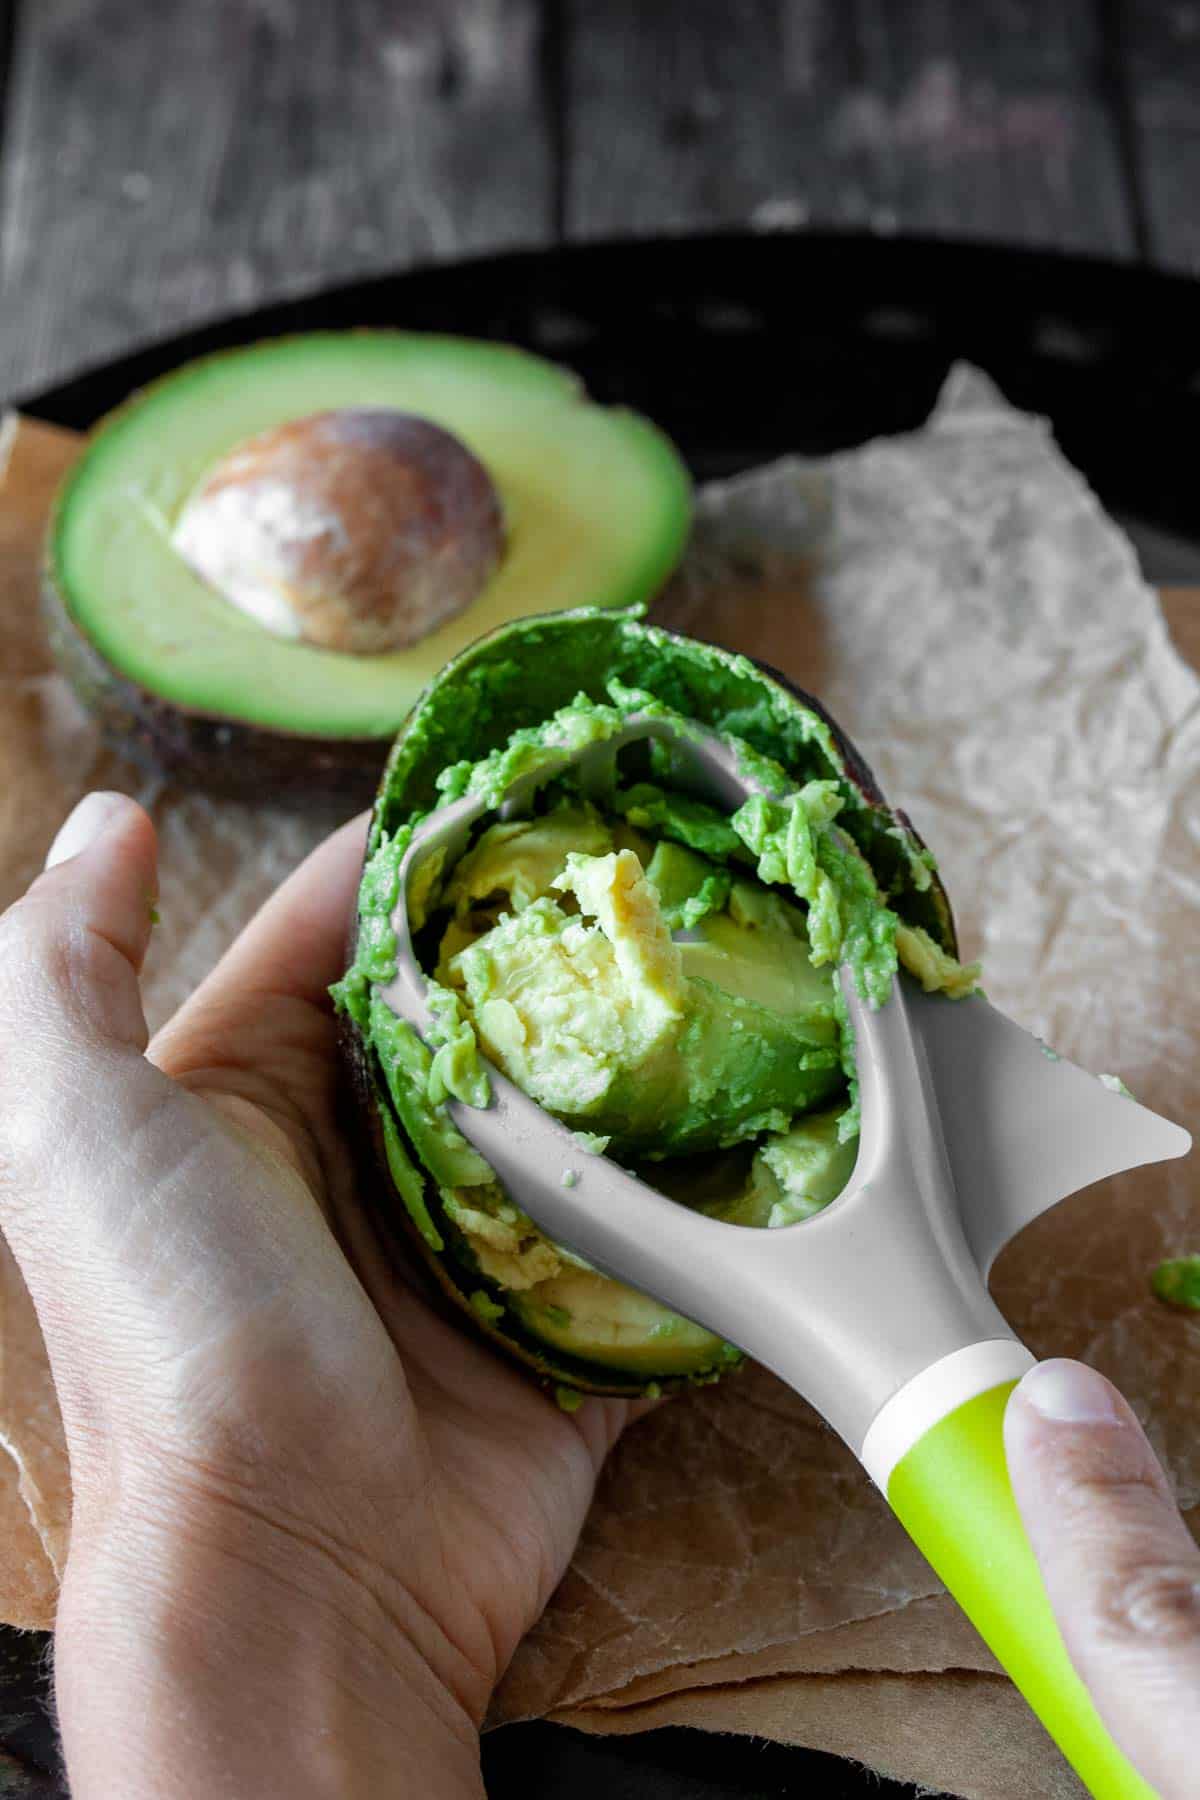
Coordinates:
657 975
596 507
661 1047
1177 1281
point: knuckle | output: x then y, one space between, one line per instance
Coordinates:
53 962
1157 1603
94 971
15 935
29 951
29 1133
32 960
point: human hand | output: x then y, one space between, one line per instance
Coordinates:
1120 1566
311 1520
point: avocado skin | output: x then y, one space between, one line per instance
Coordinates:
412 769
417 782
229 758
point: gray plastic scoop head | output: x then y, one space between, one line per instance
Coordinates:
1022 1128
858 1299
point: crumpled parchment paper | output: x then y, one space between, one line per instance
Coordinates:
975 621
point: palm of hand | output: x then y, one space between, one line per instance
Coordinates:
466 1488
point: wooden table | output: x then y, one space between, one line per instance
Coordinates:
167 160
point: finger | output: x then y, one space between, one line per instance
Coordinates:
147 1231
90 1134
75 1090
259 1032
1120 1567
77 939
72 1029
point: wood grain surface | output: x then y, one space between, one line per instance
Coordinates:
983 121
1156 54
164 162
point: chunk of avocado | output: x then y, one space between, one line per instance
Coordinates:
662 1047
789 1177
688 885
523 859
595 504
582 1314
503 702
585 1315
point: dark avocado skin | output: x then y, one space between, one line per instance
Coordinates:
557 683
389 1212
229 758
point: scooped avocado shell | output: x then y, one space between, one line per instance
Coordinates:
595 504
855 887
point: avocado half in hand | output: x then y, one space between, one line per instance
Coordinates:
657 975
259 562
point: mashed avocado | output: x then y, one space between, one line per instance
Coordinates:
1177 1281
602 1017
657 974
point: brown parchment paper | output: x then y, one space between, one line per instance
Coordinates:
966 609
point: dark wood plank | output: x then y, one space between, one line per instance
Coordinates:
172 160
1158 42
8 21
990 120
29 1761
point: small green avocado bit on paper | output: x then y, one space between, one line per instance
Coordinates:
1177 1281
657 974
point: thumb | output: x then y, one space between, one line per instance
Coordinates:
77 940
1120 1567
72 1030
156 1236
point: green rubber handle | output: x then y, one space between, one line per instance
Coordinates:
952 1494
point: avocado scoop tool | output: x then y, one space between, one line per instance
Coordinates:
875 1309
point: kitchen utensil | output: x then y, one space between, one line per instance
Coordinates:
876 1309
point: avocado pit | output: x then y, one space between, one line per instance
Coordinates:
358 530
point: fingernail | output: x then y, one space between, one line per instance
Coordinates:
1069 1393
84 825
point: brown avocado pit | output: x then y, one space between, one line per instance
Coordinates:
358 530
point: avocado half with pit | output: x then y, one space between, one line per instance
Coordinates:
259 562
658 976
